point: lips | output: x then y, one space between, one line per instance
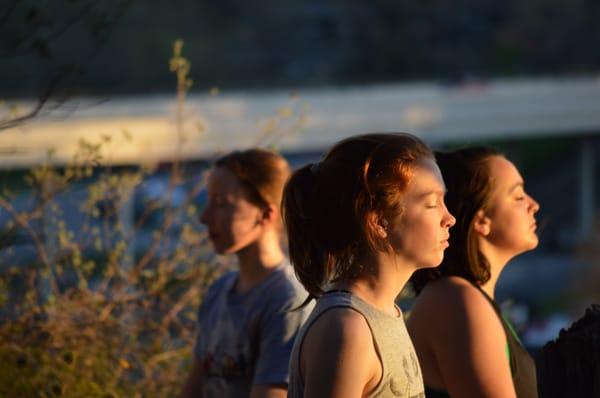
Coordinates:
445 243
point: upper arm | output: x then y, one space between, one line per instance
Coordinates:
338 357
469 345
193 384
278 330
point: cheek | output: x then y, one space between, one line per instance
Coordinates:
235 231
222 218
242 222
417 231
418 240
513 227
515 218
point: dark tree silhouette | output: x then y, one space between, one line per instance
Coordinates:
570 365
50 43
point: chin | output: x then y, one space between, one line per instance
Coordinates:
432 263
533 243
527 248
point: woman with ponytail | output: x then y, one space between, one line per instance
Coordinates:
246 326
359 223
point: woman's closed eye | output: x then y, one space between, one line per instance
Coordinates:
432 203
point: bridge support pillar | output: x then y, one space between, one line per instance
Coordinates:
586 186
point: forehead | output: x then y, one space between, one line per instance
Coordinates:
223 182
426 178
503 172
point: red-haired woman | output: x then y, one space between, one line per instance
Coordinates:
466 347
359 223
246 329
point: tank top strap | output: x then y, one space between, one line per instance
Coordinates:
522 365
508 329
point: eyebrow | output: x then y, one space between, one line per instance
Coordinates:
441 192
517 185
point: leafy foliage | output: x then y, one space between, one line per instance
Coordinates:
97 301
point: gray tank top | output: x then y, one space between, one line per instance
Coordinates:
401 372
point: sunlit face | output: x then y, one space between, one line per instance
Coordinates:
511 210
233 222
419 235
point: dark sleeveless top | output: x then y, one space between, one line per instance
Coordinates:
522 365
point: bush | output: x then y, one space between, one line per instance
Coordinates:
99 299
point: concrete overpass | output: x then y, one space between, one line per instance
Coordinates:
439 114
143 129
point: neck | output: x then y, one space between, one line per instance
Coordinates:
497 261
258 260
385 283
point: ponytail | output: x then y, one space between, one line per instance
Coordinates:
298 212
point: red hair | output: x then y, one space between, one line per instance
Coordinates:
329 207
262 173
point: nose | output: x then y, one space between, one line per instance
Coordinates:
449 220
534 205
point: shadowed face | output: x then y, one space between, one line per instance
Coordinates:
511 211
420 234
233 222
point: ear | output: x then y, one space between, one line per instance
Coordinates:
379 225
267 215
481 223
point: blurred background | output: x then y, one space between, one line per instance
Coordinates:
107 124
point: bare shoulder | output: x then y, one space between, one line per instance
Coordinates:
334 342
339 327
452 322
450 293
452 301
